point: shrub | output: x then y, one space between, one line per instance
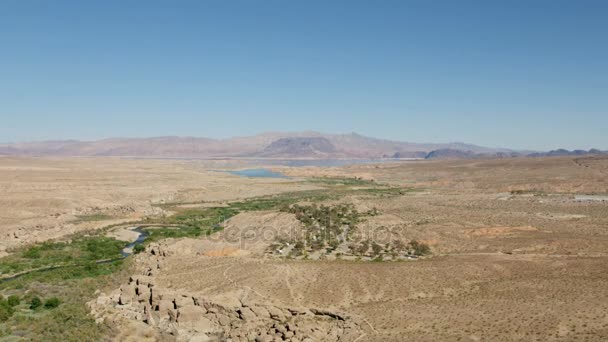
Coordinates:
13 300
376 248
6 311
138 248
420 248
35 303
51 303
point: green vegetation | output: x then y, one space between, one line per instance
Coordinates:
194 222
6 310
92 218
67 276
81 251
138 248
52 303
325 226
56 279
396 249
35 303
13 300
356 181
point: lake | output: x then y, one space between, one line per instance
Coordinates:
258 173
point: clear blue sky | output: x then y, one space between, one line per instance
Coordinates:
521 74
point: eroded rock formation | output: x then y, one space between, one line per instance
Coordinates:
192 317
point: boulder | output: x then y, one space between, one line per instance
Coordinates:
190 313
247 314
276 313
260 311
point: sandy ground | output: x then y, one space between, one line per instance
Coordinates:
515 256
49 198
124 234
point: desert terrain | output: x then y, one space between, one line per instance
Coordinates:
514 252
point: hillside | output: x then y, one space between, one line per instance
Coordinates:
301 147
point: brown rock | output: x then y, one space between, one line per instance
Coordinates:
247 314
276 313
190 313
260 311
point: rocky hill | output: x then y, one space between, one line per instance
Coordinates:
301 147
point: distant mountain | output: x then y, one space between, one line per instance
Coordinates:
562 152
299 146
448 153
462 154
271 145
409 155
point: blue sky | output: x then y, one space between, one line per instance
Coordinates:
521 74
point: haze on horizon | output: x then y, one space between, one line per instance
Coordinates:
514 75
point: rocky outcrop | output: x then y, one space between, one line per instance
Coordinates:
193 317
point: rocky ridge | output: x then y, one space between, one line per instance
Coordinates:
191 317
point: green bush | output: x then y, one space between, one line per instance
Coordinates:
52 303
138 248
35 303
13 300
6 311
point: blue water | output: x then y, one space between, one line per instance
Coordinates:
143 234
262 173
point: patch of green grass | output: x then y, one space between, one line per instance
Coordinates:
6 310
195 222
92 218
81 250
342 181
384 191
13 300
53 308
159 233
138 248
50 304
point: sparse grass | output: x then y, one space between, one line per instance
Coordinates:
342 181
92 218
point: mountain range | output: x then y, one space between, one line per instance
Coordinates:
311 145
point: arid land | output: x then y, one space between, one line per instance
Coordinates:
514 255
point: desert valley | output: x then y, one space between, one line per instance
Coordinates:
509 249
